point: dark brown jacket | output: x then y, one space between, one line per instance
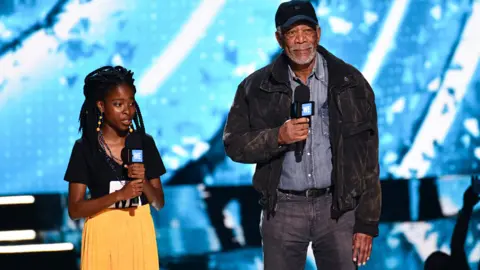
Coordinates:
262 104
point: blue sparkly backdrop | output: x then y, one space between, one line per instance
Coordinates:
421 57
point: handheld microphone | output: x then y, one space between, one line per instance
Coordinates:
302 107
133 153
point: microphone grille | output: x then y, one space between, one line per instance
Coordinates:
302 93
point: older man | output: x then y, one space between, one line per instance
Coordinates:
330 195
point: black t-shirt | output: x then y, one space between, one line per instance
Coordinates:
93 170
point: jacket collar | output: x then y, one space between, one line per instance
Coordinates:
340 74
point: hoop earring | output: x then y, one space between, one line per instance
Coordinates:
100 120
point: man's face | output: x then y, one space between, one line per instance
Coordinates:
300 42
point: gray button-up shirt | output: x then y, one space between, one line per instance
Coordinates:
314 171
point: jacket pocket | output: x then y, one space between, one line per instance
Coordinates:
268 110
355 138
355 128
353 105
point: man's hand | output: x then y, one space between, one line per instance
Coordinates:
362 247
293 130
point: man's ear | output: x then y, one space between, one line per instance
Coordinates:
279 38
319 33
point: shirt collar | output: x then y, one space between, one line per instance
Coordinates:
317 71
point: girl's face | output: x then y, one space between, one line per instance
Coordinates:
118 107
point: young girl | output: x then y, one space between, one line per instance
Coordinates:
118 231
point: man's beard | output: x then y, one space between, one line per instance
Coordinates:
298 61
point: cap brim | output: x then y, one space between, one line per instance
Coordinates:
297 18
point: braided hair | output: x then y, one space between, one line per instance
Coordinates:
97 85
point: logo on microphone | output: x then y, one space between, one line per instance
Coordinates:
306 109
137 155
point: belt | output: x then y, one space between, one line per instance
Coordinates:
309 193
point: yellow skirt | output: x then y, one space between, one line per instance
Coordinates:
117 239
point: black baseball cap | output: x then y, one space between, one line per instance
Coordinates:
291 12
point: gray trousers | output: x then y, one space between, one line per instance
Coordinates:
299 221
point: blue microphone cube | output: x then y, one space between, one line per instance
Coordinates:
137 156
307 109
